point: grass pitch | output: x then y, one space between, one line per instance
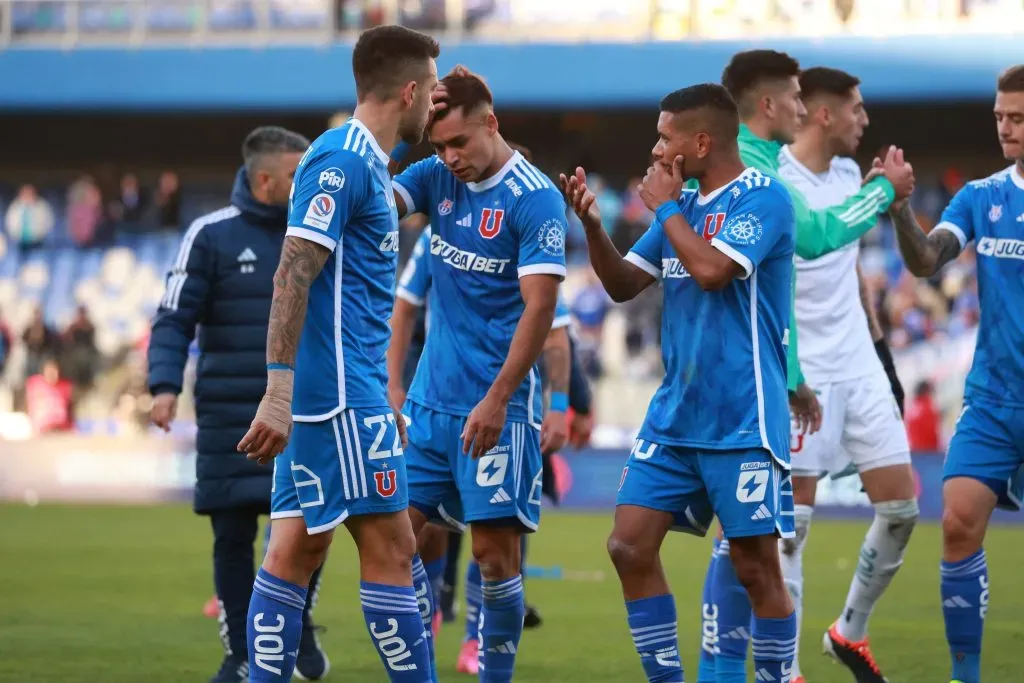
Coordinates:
113 595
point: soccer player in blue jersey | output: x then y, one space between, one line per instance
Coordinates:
716 437
413 288
328 334
497 258
984 464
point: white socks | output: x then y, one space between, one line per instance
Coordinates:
880 558
791 554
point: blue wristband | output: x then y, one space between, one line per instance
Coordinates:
279 366
400 150
667 210
559 402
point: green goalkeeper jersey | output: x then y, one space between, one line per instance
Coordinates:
817 232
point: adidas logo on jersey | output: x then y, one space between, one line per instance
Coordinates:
466 221
500 497
955 601
247 258
762 512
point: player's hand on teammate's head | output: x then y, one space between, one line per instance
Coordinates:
165 406
805 409
554 432
663 183
899 172
439 95
484 426
580 198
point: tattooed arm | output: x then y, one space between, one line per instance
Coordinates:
924 254
867 301
557 366
301 262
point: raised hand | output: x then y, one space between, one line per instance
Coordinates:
662 184
581 199
899 172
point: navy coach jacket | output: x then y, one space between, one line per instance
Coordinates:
220 285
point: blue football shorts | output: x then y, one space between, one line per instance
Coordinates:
988 445
448 486
749 492
352 464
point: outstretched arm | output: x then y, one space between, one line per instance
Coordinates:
924 254
301 262
623 279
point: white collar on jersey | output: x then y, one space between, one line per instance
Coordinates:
703 199
487 184
384 158
799 166
1015 174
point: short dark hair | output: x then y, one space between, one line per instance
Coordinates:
266 141
822 80
383 55
748 70
709 98
466 91
1012 80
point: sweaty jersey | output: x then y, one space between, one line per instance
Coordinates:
341 199
484 237
724 352
414 284
835 339
990 212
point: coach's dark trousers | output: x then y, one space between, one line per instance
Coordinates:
234 571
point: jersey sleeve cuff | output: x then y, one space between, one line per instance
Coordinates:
543 269
644 265
320 238
955 229
410 205
561 321
730 251
407 295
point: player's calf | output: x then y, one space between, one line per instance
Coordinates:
756 559
496 550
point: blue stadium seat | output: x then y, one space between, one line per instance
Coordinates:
172 16
232 15
293 14
105 17
61 298
39 17
10 263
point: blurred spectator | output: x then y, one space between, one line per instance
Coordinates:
590 307
6 344
85 211
167 201
130 205
79 355
48 399
41 343
29 218
923 420
633 220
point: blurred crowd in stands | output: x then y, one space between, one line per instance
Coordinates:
82 272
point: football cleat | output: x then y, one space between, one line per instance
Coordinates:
468 662
232 670
856 657
311 663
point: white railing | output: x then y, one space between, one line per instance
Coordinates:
69 23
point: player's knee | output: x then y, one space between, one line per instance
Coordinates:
899 517
792 547
297 560
961 531
497 553
628 557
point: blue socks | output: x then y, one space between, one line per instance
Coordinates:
774 648
435 574
274 628
474 598
964 604
652 623
709 625
501 626
425 600
734 614
393 619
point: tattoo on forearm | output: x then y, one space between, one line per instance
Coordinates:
557 367
924 254
301 261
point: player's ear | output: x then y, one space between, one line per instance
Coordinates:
702 141
492 123
408 93
767 106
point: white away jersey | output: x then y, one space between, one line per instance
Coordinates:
342 199
835 340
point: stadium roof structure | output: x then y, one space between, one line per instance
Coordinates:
523 76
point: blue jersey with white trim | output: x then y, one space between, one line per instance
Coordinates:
484 237
414 284
990 212
342 199
724 352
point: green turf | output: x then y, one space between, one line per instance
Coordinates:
114 594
